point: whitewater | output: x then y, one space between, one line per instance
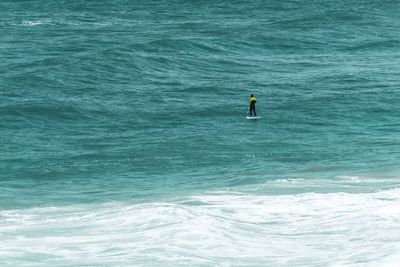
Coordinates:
124 140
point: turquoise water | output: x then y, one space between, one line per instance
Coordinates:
123 138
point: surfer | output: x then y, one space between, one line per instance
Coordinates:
252 105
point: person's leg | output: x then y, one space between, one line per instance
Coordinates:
251 111
254 108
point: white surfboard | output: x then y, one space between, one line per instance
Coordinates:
252 118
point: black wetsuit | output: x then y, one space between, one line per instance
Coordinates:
253 106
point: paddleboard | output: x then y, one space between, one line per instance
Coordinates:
252 118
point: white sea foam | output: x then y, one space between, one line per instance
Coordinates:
35 23
232 228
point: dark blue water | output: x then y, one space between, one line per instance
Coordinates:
128 117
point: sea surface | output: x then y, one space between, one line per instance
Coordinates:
123 138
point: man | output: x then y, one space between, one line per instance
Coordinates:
252 105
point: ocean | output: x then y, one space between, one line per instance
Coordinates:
124 140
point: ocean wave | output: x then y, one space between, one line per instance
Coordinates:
124 140
30 23
309 229
44 109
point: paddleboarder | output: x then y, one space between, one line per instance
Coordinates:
252 105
